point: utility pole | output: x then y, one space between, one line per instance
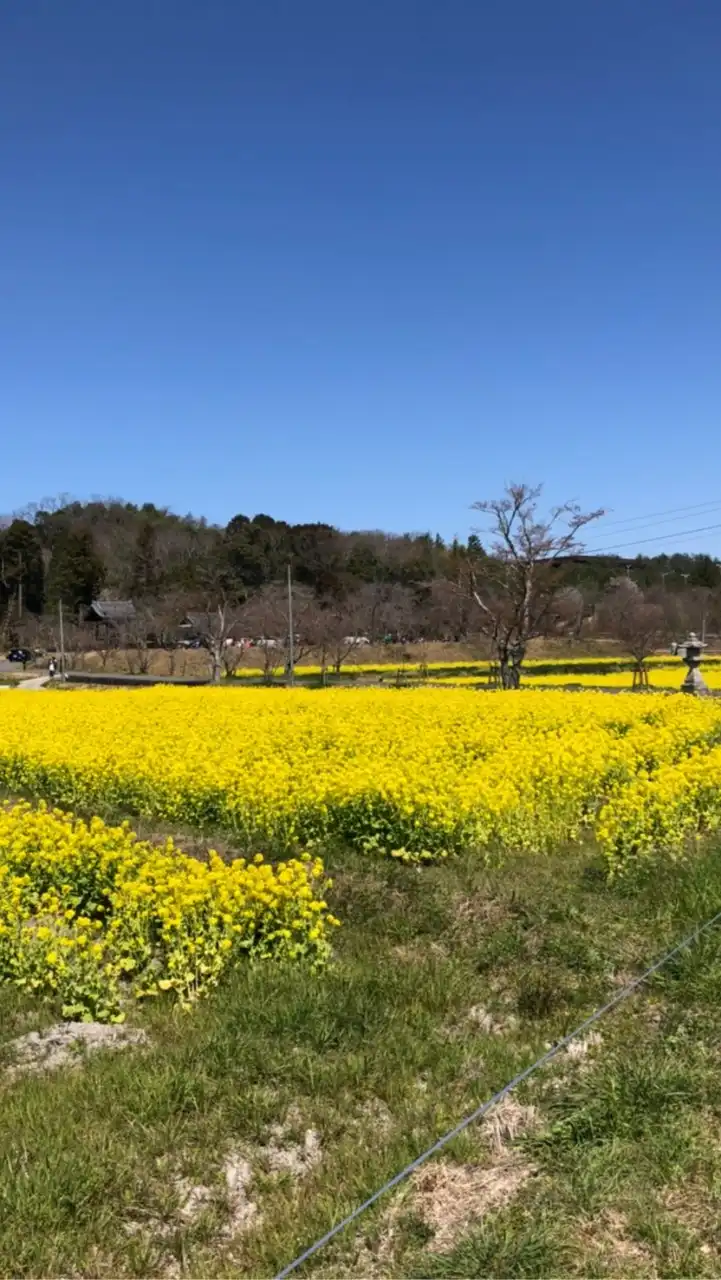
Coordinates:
291 637
20 586
62 639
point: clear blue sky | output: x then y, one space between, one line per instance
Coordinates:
362 260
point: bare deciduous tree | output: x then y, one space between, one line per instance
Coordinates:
332 628
232 655
385 609
106 643
265 617
168 614
696 609
569 612
515 583
214 627
139 637
446 612
638 624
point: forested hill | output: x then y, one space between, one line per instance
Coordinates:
77 551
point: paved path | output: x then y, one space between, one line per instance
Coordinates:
31 682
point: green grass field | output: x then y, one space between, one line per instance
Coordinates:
447 980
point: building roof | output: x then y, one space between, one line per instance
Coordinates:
111 611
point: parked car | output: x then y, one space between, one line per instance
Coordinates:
20 655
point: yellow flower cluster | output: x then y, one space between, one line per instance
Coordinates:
601 672
618 668
416 773
621 680
658 678
92 914
662 812
371 668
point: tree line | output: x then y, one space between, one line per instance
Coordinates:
525 573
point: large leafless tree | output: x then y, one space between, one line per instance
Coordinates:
512 572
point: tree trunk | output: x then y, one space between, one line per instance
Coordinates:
510 662
215 658
505 671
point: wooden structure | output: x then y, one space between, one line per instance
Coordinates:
110 616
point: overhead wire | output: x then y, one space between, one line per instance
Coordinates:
661 517
655 524
661 537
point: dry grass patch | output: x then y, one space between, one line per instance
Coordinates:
449 1198
608 1238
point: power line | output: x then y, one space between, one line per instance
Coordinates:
654 524
497 1097
659 516
661 537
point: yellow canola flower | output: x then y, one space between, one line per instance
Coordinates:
670 678
158 919
414 773
472 670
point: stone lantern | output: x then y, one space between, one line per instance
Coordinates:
690 651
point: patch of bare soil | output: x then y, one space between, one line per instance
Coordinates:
486 1022
287 1149
483 1021
449 1197
373 1117
282 1152
232 1193
66 1044
576 1059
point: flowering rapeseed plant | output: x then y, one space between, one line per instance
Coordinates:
418 774
90 913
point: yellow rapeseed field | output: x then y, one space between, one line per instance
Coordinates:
415 773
